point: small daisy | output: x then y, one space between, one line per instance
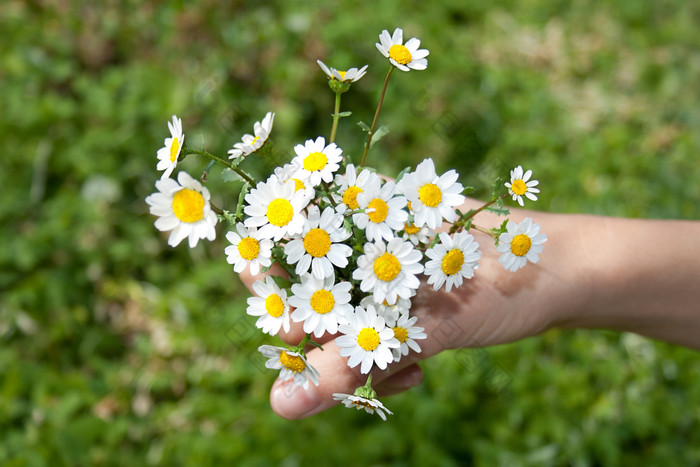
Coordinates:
247 247
403 57
250 143
168 154
451 260
366 339
390 313
520 243
350 76
432 198
519 185
291 365
359 402
319 246
350 185
317 161
293 172
183 207
389 271
406 333
417 235
383 210
270 305
276 208
321 304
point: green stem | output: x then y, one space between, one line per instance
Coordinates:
376 116
336 117
482 229
217 210
211 156
477 211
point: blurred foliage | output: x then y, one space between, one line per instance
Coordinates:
118 350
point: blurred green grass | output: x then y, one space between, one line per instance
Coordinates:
117 349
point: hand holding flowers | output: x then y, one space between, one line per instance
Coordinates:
348 248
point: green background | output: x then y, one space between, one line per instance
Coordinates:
116 349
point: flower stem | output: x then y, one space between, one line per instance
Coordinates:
211 156
376 116
336 117
484 230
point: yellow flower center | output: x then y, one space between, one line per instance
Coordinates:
410 229
452 262
292 362
400 54
430 195
362 403
188 205
279 212
248 248
401 334
298 185
315 161
368 339
518 187
350 197
410 206
381 209
174 149
342 75
520 245
387 267
255 140
317 242
322 301
274 305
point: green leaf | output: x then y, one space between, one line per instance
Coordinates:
379 133
344 114
229 175
364 126
402 173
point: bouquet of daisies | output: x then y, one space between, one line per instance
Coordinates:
350 246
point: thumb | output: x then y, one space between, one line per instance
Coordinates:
292 401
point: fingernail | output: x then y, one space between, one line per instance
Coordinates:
291 401
411 376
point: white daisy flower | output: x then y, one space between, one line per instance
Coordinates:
359 402
406 333
270 305
350 76
390 313
520 243
183 207
383 213
276 208
293 172
417 235
317 161
403 57
389 271
451 260
350 185
366 339
169 153
291 365
251 143
519 185
320 303
319 246
247 247
432 198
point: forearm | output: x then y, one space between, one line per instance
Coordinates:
634 275
641 276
